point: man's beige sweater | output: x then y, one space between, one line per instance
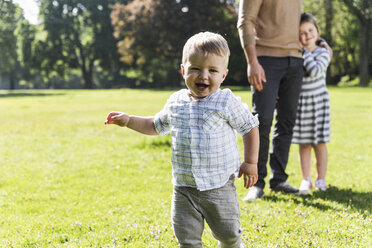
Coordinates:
271 25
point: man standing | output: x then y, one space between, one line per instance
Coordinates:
269 34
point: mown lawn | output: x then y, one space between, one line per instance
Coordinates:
67 180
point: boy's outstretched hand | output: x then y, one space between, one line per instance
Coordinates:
249 171
117 118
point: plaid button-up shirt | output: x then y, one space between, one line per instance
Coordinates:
204 144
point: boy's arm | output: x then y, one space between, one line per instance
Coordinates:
248 168
138 123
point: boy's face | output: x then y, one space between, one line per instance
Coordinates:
204 74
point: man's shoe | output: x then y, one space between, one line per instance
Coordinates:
285 188
254 193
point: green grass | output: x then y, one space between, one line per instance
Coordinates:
66 180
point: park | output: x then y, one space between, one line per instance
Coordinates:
69 180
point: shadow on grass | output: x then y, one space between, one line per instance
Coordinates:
158 142
360 201
28 94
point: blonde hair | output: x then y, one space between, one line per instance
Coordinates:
205 43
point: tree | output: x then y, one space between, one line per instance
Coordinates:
26 34
78 35
152 34
362 9
10 15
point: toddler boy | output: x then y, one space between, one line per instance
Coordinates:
202 120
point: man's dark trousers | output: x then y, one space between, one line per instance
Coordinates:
280 97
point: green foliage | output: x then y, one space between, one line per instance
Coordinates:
79 36
25 35
10 14
66 180
347 82
152 35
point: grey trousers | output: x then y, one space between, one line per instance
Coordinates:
280 97
218 207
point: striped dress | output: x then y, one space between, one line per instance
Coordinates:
313 115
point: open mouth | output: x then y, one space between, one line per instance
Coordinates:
201 86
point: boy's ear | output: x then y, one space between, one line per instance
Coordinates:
182 70
224 75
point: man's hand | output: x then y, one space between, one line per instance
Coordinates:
249 171
256 75
324 44
117 118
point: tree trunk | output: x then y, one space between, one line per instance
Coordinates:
88 80
365 51
11 83
328 6
88 75
12 80
365 36
329 13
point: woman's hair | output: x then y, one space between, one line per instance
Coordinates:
205 43
305 17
